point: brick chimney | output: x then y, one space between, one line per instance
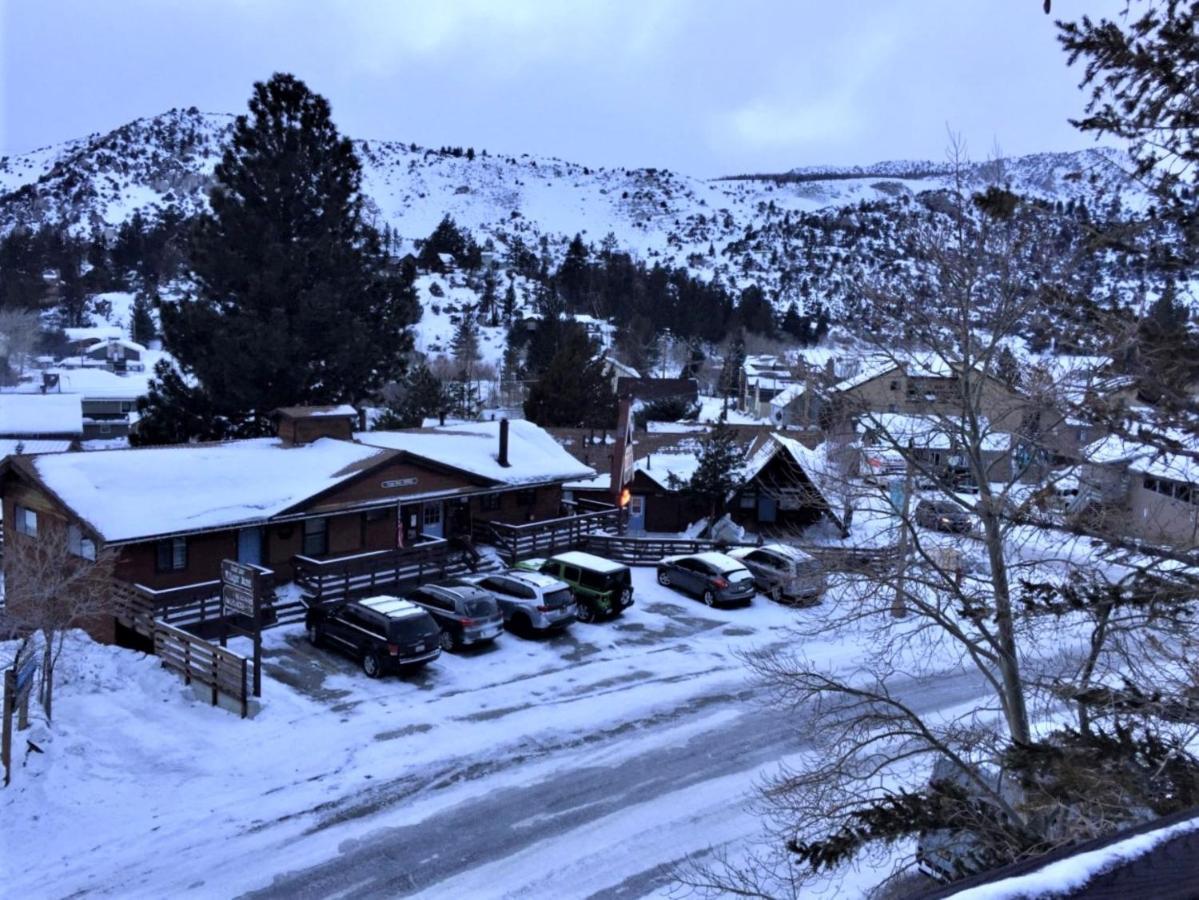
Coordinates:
503 457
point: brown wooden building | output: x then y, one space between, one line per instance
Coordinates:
176 512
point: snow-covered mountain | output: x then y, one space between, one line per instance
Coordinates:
772 230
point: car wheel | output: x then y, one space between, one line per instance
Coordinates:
521 624
584 613
709 598
372 666
314 635
663 578
447 641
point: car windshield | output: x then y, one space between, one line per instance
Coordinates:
413 628
738 575
478 607
558 598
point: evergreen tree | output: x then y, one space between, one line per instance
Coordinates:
141 325
730 371
573 391
419 396
488 308
509 302
465 344
718 473
292 304
574 274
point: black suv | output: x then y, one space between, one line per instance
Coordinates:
386 633
467 615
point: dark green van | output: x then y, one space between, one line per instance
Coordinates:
602 589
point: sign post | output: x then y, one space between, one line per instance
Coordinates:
242 589
18 684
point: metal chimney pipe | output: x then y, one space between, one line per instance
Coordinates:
503 460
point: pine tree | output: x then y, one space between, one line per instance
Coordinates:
573 391
718 473
293 303
419 396
574 274
465 344
730 372
509 302
141 324
487 302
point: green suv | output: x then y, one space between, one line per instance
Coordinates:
602 589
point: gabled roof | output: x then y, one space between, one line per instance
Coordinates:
22 414
1145 458
147 492
473 447
343 410
814 464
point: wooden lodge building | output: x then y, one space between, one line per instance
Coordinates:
317 490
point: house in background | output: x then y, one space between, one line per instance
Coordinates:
1140 491
117 354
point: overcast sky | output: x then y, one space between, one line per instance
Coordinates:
701 86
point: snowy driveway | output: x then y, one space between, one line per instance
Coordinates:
570 766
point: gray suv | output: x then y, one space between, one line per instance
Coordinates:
466 615
783 573
530 601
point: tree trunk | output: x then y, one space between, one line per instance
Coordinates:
1014 707
48 679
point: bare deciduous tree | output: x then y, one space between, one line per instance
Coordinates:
56 581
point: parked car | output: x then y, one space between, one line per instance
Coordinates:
601 588
385 633
529 601
466 615
717 579
785 574
942 515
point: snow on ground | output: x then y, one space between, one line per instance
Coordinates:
144 790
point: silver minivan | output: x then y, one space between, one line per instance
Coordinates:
785 574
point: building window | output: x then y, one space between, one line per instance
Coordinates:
376 515
316 537
431 514
490 502
79 544
894 385
26 521
526 497
172 555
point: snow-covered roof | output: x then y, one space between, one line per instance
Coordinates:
1147 459
782 399
318 412
660 467
534 456
93 333
588 561
925 364
815 464
393 607
40 414
930 432
97 384
10 446
142 493
121 342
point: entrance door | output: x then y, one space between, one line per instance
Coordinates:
637 513
432 524
249 545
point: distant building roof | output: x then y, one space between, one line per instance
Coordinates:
40 414
1142 457
10 446
343 410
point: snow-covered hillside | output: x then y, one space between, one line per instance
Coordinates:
725 228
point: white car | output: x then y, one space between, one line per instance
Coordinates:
785 574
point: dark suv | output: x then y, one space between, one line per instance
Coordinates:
385 633
467 615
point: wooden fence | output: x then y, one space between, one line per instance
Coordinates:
194 607
219 669
641 551
322 580
517 542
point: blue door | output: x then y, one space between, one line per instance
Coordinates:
432 525
249 545
637 513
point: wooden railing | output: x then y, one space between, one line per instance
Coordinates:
322 580
641 551
194 607
517 542
219 669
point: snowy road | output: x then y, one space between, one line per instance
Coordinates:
578 766
608 830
